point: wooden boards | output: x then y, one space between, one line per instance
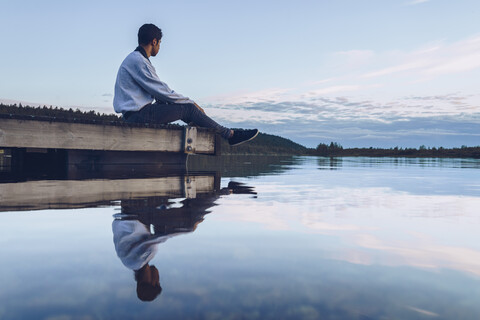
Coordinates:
21 133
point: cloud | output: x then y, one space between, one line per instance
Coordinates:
414 65
426 95
320 107
414 2
334 89
354 58
465 63
440 65
271 95
434 120
434 61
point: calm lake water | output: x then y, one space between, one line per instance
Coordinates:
296 238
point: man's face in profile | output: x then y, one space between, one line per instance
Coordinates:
155 46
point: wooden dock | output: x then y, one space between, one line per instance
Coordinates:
43 142
44 134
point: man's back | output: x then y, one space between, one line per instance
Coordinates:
129 95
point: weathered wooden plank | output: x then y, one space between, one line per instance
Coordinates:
35 195
205 141
20 133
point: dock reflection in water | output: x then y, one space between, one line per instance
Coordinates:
145 223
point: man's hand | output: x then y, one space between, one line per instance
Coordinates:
199 108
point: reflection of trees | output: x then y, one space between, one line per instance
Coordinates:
242 165
329 163
332 163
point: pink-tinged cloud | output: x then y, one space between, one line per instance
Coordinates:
433 61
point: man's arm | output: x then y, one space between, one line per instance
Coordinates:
147 78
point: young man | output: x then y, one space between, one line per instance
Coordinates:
143 98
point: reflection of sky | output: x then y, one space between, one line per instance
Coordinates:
414 176
354 242
432 225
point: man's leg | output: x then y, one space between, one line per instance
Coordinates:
163 113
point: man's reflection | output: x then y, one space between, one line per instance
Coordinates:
145 223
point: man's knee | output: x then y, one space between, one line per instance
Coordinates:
190 107
191 111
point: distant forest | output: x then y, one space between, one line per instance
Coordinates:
55 113
335 150
264 144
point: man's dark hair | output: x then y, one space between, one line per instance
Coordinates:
147 33
147 291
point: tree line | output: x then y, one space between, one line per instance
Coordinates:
336 150
56 113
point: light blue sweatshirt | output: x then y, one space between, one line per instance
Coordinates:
137 85
134 244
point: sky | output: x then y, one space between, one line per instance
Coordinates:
361 73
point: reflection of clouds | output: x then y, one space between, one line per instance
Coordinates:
374 225
418 253
256 213
316 225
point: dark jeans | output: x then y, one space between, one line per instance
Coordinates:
163 113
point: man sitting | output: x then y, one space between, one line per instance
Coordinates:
142 97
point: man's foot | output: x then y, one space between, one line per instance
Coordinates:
241 136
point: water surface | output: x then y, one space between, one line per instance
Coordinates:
302 238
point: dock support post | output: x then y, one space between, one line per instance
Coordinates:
190 139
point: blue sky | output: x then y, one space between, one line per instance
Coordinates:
359 72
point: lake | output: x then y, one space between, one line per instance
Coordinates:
284 238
